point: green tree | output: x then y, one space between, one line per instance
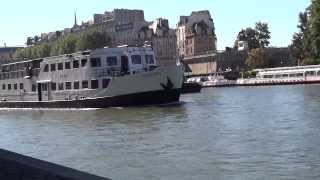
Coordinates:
315 30
258 58
257 37
93 39
263 34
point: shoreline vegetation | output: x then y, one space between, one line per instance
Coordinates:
72 42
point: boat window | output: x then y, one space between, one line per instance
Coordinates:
292 75
76 85
15 86
94 84
60 86
95 62
318 73
60 66
84 84
67 65
278 76
300 74
75 64
53 86
68 85
44 87
112 61
83 62
310 73
285 75
9 86
3 86
149 59
105 83
33 88
46 68
21 86
136 59
52 67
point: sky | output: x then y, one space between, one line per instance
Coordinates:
20 19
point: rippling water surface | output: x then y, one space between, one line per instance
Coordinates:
226 133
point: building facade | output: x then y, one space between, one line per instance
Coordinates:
196 34
7 54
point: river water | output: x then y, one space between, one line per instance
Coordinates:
224 133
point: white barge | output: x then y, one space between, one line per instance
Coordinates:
284 76
124 76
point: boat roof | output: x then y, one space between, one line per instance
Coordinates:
290 68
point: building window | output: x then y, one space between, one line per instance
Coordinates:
67 65
149 59
53 67
60 66
53 86
76 85
21 86
112 61
9 86
75 64
105 83
83 62
3 87
94 84
33 88
46 68
136 59
60 86
84 84
95 62
68 85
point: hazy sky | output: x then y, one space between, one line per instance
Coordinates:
22 18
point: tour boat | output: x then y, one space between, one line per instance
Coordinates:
284 76
107 77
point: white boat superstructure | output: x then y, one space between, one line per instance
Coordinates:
285 75
110 76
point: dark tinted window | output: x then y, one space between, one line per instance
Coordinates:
53 86
52 67
84 84
3 86
75 64
112 61
76 85
94 84
67 65
21 86
45 87
46 68
95 62
9 86
83 62
60 66
136 59
68 85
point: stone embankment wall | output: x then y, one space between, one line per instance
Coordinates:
14 166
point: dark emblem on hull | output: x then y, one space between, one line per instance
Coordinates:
167 86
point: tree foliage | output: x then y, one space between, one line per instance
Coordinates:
258 37
91 39
305 45
258 58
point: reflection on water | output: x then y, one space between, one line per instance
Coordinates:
227 133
